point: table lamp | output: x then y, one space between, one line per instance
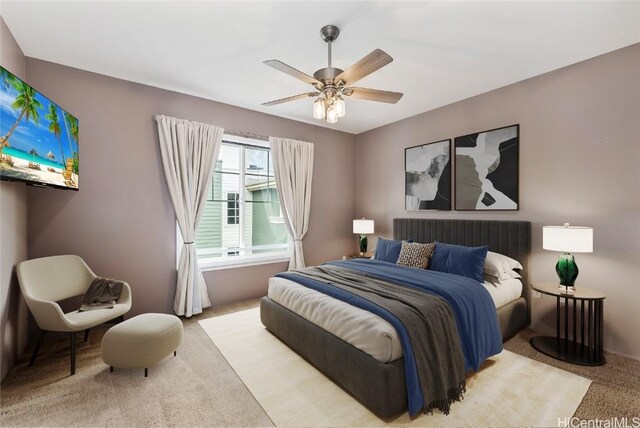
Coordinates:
362 227
567 239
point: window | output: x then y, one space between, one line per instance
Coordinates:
242 220
233 208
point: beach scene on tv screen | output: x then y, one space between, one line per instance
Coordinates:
38 139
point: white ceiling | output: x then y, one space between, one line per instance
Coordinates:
443 51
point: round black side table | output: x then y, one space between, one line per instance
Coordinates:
576 349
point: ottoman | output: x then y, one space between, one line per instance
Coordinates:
141 341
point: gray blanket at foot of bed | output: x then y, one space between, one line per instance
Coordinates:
426 325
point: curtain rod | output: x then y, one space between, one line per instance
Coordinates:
246 135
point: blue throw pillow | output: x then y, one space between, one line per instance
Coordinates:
460 260
388 250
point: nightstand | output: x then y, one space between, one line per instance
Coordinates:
585 349
358 256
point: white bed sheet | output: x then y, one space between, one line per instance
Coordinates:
358 327
505 292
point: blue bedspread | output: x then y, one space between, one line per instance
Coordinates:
475 312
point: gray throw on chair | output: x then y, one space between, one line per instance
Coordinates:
102 294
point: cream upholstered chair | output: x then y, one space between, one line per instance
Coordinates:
48 280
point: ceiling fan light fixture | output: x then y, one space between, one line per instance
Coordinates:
331 84
339 105
319 109
332 114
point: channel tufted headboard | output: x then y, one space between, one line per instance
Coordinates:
511 238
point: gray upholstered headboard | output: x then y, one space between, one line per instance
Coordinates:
511 238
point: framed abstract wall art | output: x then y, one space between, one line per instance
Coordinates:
486 170
427 172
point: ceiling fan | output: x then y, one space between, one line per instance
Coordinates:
333 84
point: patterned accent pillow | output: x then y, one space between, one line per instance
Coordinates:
416 255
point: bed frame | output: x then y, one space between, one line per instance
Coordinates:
381 386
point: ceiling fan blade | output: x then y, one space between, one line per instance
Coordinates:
367 65
281 66
373 95
293 98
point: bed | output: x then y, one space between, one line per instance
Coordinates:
379 383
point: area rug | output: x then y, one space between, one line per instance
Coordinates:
509 390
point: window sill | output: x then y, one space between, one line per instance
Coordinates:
237 262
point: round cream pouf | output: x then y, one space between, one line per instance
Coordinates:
141 341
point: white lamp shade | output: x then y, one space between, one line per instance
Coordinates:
362 226
568 239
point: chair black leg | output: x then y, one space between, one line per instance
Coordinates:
175 353
86 334
73 353
116 320
146 372
43 333
111 369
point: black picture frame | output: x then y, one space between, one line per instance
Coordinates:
427 176
487 170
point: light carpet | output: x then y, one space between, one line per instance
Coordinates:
509 390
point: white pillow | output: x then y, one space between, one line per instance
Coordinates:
497 281
501 266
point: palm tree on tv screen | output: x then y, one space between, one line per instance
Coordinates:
54 127
71 126
28 105
6 78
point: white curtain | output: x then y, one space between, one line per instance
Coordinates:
293 169
189 151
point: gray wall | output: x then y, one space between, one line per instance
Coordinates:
121 221
13 236
579 157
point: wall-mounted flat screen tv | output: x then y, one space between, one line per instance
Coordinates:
38 139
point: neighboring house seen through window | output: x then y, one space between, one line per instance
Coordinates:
242 220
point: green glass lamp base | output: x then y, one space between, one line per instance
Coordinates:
567 270
363 241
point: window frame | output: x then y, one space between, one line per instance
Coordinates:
225 262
